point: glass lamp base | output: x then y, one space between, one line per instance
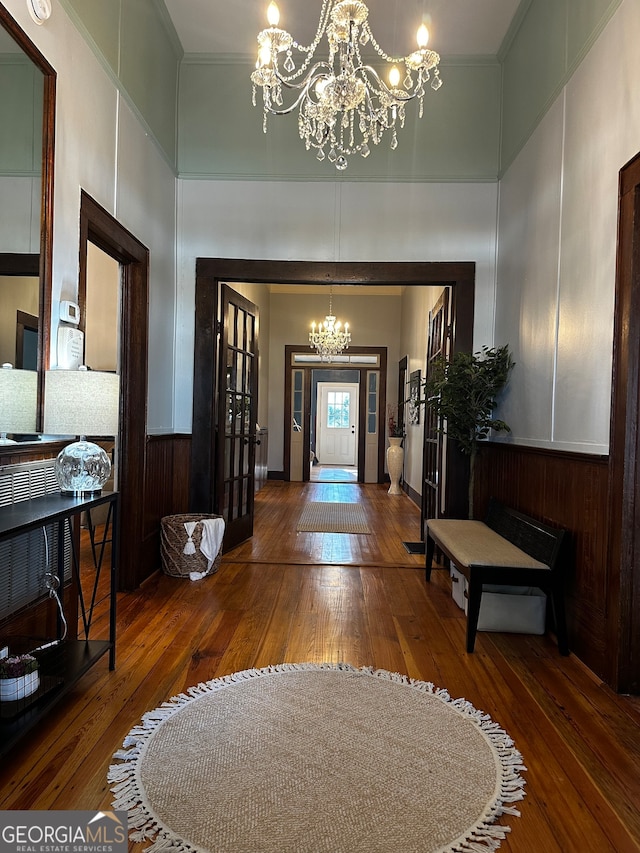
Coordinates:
82 468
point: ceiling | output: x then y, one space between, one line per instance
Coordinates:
457 27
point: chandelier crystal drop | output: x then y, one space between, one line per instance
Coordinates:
344 105
330 337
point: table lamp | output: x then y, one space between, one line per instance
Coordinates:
81 402
18 402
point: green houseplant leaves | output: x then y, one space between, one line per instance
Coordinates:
463 393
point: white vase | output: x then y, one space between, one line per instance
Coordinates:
12 689
395 460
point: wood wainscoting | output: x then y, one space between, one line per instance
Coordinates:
167 474
568 490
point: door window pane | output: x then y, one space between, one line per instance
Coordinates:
297 401
372 403
338 409
239 328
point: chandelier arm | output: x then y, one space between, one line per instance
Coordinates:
287 110
303 88
397 94
303 84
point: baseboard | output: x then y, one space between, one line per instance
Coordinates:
415 497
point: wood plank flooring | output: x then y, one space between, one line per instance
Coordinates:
291 597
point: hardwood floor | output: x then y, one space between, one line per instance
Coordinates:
285 597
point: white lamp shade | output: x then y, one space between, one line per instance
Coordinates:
18 400
81 402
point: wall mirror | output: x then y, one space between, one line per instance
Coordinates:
27 122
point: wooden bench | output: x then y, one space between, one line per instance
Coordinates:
509 549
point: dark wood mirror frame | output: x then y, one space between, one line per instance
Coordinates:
46 207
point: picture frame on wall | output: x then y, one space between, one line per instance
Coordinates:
414 397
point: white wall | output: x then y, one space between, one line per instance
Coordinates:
417 302
557 230
102 148
557 244
328 222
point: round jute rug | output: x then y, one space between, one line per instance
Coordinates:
306 758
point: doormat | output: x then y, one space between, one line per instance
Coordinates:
323 517
414 547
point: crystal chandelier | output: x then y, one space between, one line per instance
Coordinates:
330 337
344 104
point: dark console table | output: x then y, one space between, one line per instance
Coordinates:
61 664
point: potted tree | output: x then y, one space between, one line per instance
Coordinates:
463 393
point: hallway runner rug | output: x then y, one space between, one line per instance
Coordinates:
324 517
319 758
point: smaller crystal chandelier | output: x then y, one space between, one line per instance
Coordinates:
330 337
344 104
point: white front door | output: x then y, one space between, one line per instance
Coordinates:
337 423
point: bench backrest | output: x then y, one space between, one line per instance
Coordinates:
539 540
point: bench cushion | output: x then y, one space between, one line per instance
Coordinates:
473 543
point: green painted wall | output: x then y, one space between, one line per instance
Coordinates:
99 21
149 69
199 108
552 38
220 132
21 110
138 46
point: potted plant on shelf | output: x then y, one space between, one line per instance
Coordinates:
463 393
395 452
19 677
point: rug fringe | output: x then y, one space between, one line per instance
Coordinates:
485 837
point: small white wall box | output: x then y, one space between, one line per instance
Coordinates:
69 312
458 586
512 609
70 347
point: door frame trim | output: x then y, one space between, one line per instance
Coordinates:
289 367
459 275
622 580
98 226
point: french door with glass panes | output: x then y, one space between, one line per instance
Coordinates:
433 467
237 412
